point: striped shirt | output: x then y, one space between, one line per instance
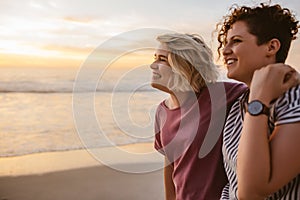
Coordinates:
285 109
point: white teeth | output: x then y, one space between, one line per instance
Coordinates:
156 75
230 61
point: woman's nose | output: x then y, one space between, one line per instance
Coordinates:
226 50
154 66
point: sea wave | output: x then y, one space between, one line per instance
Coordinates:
68 87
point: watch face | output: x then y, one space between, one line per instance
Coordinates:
255 108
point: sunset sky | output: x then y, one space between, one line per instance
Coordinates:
62 33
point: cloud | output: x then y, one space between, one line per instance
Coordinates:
85 20
75 28
71 50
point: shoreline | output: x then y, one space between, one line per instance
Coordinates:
47 162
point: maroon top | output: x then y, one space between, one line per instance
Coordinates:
180 135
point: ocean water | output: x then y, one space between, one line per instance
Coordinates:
37 109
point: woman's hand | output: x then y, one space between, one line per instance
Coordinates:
270 82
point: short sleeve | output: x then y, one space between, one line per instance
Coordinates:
157 127
287 108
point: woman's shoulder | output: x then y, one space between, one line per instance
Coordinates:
286 109
234 88
227 91
291 96
230 84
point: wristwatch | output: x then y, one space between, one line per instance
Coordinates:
256 107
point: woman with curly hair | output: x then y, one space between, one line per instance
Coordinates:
261 142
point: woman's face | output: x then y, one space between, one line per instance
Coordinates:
242 55
161 69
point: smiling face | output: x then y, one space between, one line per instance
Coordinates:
161 69
242 55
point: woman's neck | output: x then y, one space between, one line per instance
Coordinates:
178 98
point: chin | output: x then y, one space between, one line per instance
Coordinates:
160 87
229 75
232 75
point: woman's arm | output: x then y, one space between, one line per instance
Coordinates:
265 165
169 184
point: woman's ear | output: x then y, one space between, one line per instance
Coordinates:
273 47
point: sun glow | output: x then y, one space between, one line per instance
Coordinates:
53 33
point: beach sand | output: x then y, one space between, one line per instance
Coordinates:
77 175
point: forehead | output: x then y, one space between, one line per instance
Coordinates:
239 28
161 49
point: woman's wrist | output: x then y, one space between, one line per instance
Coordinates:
262 98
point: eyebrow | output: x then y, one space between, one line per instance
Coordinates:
234 36
160 56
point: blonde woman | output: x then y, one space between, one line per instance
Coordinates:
183 67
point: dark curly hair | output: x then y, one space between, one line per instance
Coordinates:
265 22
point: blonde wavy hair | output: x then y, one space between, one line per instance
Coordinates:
191 61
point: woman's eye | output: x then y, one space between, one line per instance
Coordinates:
236 40
162 59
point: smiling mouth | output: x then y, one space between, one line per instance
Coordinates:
156 75
230 61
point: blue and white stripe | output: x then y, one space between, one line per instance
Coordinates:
285 109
